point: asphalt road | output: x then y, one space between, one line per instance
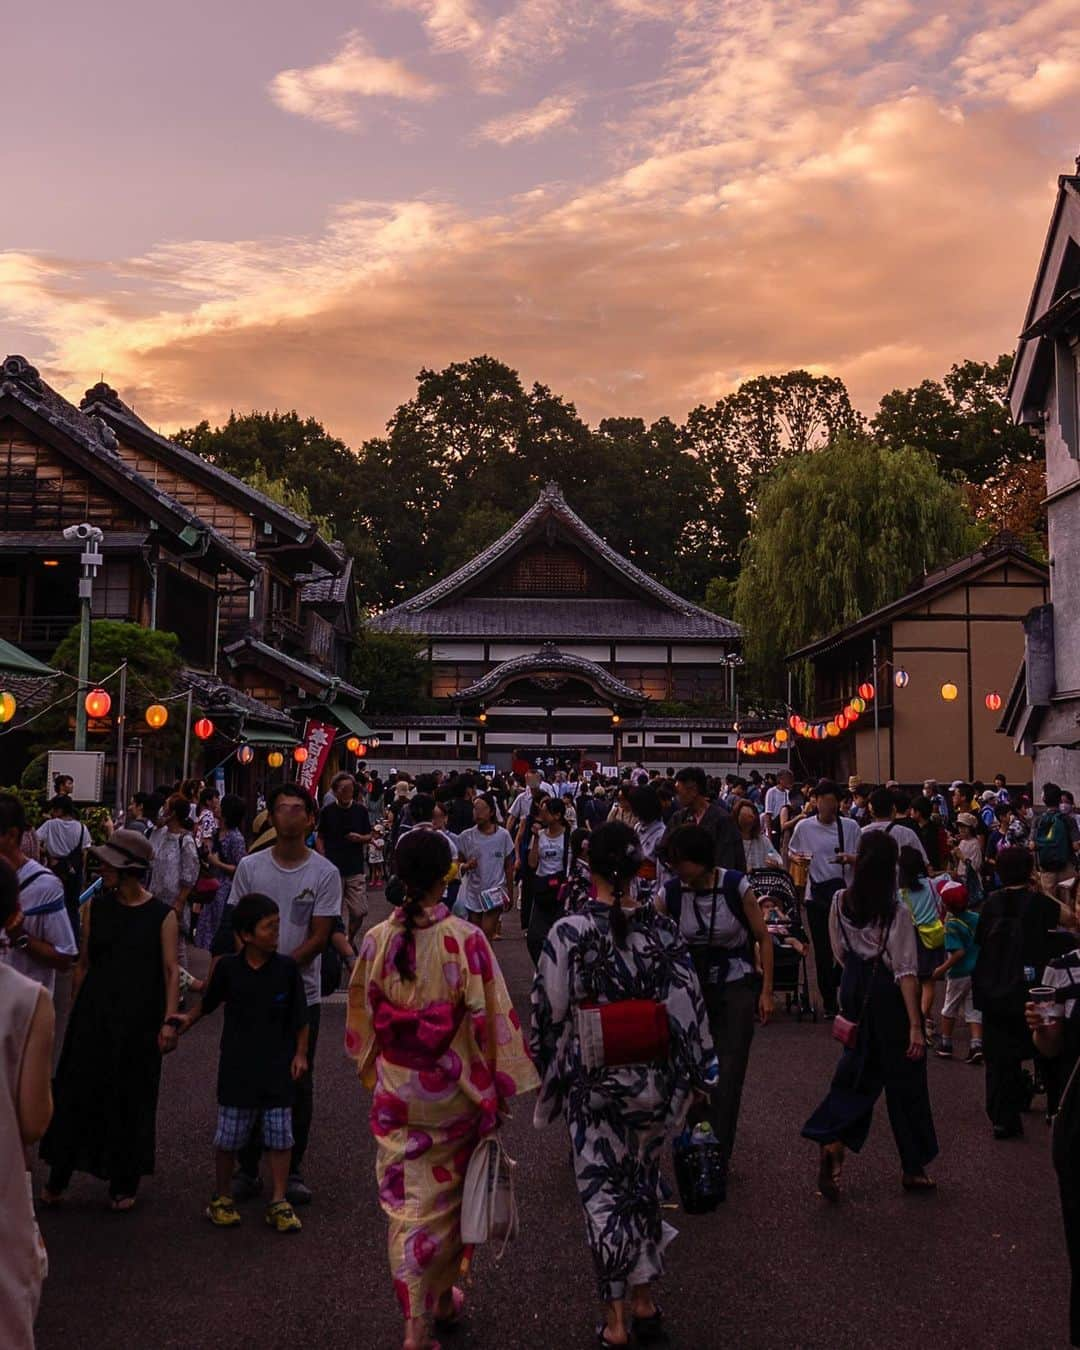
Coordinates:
980 1264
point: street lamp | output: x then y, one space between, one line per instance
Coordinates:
90 537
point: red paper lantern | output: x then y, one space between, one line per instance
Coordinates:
361 750
740 745
203 728
97 703
841 720
993 701
300 754
866 691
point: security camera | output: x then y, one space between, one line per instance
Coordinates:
84 531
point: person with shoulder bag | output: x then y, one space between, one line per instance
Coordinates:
621 1038
880 1027
437 1042
549 863
718 915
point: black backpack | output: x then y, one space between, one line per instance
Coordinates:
998 977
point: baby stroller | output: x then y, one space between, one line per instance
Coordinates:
779 899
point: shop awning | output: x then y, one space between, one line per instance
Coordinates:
340 713
264 736
13 660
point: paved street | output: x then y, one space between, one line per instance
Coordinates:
981 1264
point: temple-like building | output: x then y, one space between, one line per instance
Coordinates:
549 646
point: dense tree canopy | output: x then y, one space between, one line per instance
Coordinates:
465 456
839 533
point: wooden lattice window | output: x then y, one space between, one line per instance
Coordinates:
549 572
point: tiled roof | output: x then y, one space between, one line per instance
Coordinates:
320 587
214 693
549 661
261 651
934 583
20 381
104 402
630 620
656 599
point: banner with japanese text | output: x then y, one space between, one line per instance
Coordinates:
318 738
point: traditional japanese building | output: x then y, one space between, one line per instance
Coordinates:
261 604
549 644
942 659
1043 713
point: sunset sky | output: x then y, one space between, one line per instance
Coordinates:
249 204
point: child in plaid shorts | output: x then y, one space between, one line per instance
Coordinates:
263 1052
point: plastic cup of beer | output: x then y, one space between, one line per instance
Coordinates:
1045 1000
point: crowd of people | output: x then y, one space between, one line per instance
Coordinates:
663 913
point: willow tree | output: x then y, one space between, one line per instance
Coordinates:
838 533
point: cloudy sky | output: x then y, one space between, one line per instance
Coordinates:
253 203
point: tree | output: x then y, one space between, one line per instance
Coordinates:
294 499
963 421
745 435
394 670
836 535
154 662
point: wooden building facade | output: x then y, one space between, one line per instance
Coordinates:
551 643
954 641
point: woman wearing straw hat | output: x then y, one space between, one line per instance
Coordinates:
123 1018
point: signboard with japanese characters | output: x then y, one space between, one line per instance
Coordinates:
318 738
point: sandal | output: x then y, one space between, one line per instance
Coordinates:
602 1340
829 1171
918 1182
121 1204
453 1318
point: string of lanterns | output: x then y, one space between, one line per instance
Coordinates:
850 714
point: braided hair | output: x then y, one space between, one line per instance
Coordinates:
615 855
422 859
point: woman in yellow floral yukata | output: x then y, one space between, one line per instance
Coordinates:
434 1034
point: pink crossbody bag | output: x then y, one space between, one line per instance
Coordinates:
844 1029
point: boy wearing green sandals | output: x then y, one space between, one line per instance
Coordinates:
263 1052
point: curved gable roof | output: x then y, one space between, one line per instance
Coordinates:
549 661
550 504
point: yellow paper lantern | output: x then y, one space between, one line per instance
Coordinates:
949 692
156 716
780 737
858 705
353 745
7 706
832 729
275 759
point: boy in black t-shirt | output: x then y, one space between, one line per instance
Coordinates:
263 1052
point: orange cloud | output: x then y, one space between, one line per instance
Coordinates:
330 92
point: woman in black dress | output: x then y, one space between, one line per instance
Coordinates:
125 989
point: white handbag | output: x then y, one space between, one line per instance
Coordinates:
488 1208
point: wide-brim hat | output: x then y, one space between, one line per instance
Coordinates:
263 833
126 851
966 818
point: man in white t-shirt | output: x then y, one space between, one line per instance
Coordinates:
39 941
307 890
831 842
775 800
883 817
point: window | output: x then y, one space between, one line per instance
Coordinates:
385 736
187 609
468 737
663 738
632 738
432 737
112 591
706 739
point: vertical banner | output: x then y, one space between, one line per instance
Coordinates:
318 738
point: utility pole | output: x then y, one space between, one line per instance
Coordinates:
90 536
877 736
187 730
121 727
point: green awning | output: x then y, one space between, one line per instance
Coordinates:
14 661
263 736
342 714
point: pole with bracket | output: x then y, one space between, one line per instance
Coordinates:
91 560
187 730
121 726
877 728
